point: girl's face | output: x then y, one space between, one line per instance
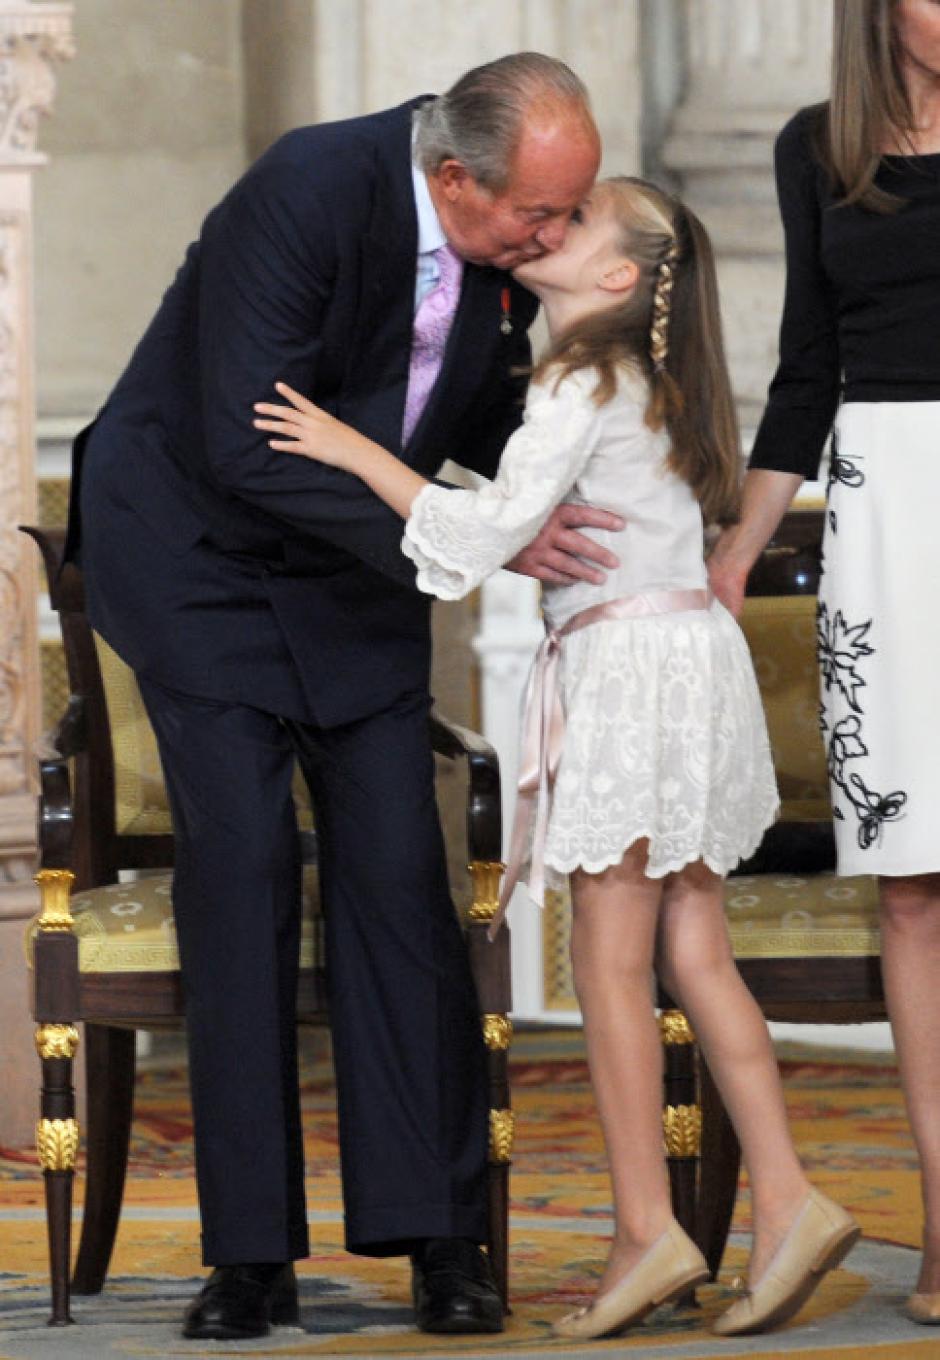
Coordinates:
589 252
917 23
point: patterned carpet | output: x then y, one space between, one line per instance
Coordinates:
847 1119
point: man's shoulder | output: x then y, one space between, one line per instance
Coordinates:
344 144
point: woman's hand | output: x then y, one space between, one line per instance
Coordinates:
728 573
310 432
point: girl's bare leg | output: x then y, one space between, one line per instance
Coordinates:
910 965
696 965
613 937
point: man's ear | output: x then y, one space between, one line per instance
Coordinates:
621 277
453 177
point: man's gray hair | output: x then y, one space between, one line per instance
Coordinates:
479 120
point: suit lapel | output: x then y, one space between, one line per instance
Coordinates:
376 377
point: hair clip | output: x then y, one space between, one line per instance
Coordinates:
506 324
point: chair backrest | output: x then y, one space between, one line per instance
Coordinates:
140 801
781 633
120 806
779 622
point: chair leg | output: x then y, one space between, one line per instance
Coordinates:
490 965
57 1145
55 1006
110 1059
718 1177
682 1120
681 1114
497 1243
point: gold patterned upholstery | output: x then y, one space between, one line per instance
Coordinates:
140 801
129 928
781 633
773 916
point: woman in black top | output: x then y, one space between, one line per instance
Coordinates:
859 186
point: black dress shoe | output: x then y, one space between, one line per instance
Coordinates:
453 1288
237 1302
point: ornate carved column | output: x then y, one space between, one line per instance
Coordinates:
750 64
33 37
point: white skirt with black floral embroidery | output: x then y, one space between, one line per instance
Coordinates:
879 637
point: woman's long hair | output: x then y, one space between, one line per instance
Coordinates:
669 328
869 105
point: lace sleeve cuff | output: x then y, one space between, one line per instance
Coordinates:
436 576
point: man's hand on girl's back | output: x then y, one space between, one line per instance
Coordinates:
556 554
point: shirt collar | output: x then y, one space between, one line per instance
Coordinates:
430 232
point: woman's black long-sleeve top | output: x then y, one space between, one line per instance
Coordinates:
861 317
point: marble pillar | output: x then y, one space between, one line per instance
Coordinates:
750 64
33 37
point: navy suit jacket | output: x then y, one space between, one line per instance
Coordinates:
223 568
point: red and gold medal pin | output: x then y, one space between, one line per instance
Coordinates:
505 300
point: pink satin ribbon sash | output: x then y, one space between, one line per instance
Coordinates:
543 729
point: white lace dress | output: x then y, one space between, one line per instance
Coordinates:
665 735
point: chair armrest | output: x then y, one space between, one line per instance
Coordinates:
66 590
55 819
69 737
484 806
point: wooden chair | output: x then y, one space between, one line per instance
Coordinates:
807 943
107 955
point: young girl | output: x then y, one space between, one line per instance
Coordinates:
663 778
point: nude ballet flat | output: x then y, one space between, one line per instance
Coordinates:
924 1308
821 1236
672 1266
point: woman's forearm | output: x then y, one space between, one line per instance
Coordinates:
765 499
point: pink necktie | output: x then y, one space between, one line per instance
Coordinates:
431 327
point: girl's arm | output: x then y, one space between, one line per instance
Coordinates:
310 432
457 537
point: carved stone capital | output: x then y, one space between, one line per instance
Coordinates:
751 64
32 38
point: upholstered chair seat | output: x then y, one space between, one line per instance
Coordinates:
774 916
129 927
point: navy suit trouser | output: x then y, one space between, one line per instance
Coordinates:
407 1043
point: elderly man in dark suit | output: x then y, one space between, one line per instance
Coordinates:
254 593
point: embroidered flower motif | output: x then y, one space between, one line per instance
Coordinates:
840 647
881 809
843 471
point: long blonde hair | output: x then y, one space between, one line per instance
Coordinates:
670 328
869 101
